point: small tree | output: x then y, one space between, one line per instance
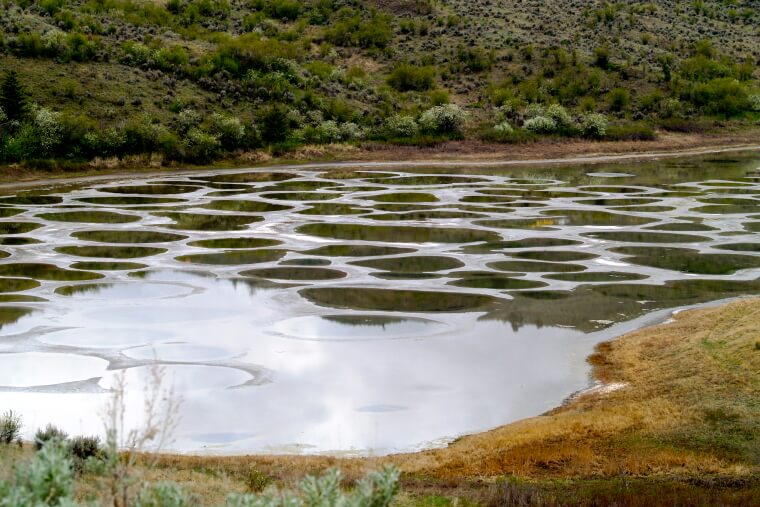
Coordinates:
13 99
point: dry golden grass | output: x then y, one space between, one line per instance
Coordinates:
689 411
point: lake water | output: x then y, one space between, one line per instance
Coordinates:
355 310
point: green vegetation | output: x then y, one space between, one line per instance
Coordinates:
196 80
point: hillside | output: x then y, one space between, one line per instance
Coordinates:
194 80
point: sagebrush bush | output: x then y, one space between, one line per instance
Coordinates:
540 125
401 126
503 128
84 447
754 102
594 125
560 115
10 427
50 432
444 119
47 480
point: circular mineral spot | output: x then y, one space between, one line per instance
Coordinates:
554 255
17 284
497 282
151 189
412 264
403 197
18 227
422 216
520 243
358 250
30 369
123 290
681 226
110 252
586 217
127 236
596 276
645 237
234 257
301 196
739 247
129 200
250 177
18 240
363 298
245 206
231 243
687 260
357 327
46 272
209 222
535 266
306 261
296 273
90 217
397 234
107 266
32 200
425 179
330 208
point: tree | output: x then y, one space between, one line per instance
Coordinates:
12 97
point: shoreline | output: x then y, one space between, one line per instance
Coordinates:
389 157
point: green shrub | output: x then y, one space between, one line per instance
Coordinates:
10 427
164 494
560 115
445 119
540 125
275 125
13 98
42 436
201 146
47 480
619 99
406 77
475 59
754 102
594 125
723 96
352 30
83 448
401 126
631 132
228 130
279 9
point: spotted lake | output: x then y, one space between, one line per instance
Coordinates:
365 310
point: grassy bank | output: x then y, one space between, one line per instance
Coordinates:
675 422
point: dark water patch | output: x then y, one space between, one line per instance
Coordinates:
110 252
296 273
107 266
12 314
676 193
645 237
644 209
739 201
350 174
554 255
230 243
17 284
391 275
358 250
306 261
485 209
426 215
596 276
530 181
403 197
536 194
535 266
402 207
739 247
158 189
362 298
129 200
586 217
234 257
735 191
426 180
19 298
498 282
90 217
618 202
486 199
614 190
397 234
18 227
18 240
126 236
500 192
245 206
411 264
31 200
228 186
752 226
726 209
227 193
520 243
252 177
720 184
73 290
206 222
688 260
535 224
39 271
332 208
682 226
305 185
4 254
301 196
9 212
